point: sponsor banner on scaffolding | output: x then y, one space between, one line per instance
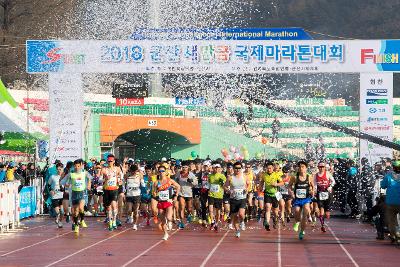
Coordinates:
27 202
66 117
376 113
213 56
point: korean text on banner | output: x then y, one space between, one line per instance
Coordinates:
376 113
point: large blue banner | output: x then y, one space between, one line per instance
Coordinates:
27 202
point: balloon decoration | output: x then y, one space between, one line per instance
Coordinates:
232 149
193 154
264 140
189 158
228 157
258 155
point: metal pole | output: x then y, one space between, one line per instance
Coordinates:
154 22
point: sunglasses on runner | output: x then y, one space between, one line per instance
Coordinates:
321 166
161 171
238 168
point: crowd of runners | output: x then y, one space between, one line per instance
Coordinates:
214 194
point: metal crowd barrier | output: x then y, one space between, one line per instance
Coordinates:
9 206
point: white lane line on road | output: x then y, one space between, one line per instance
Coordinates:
37 243
343 248
147 250
83 249
279 248
214 249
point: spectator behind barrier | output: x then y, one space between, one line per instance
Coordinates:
10 174
3 170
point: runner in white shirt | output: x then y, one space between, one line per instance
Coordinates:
134 180
56 193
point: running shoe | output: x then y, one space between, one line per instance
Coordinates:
189 218
237 234
114 224
200 221
259 217
225 217
181 225
165 237
96 214
130 220
118 223
88 213
288 219
266 225
83 224
60 225
76 229
301 235
147 221
169 226
209 219
231 226
216 227
242 226
73 227
135 227
296 226
68 218
212 225
106 220
323 229
110 225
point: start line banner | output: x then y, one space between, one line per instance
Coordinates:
213 56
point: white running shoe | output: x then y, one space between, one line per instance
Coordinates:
237 234
135 227
59 224
88 213
130 220
165 237
242 226
169 226
230 226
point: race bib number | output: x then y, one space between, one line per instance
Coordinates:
323 195
278 196
163 195
301 193
78 184
112 183
58 195
214 188
284 190
99 188
239 194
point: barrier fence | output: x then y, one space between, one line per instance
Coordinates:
15 205
9 205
